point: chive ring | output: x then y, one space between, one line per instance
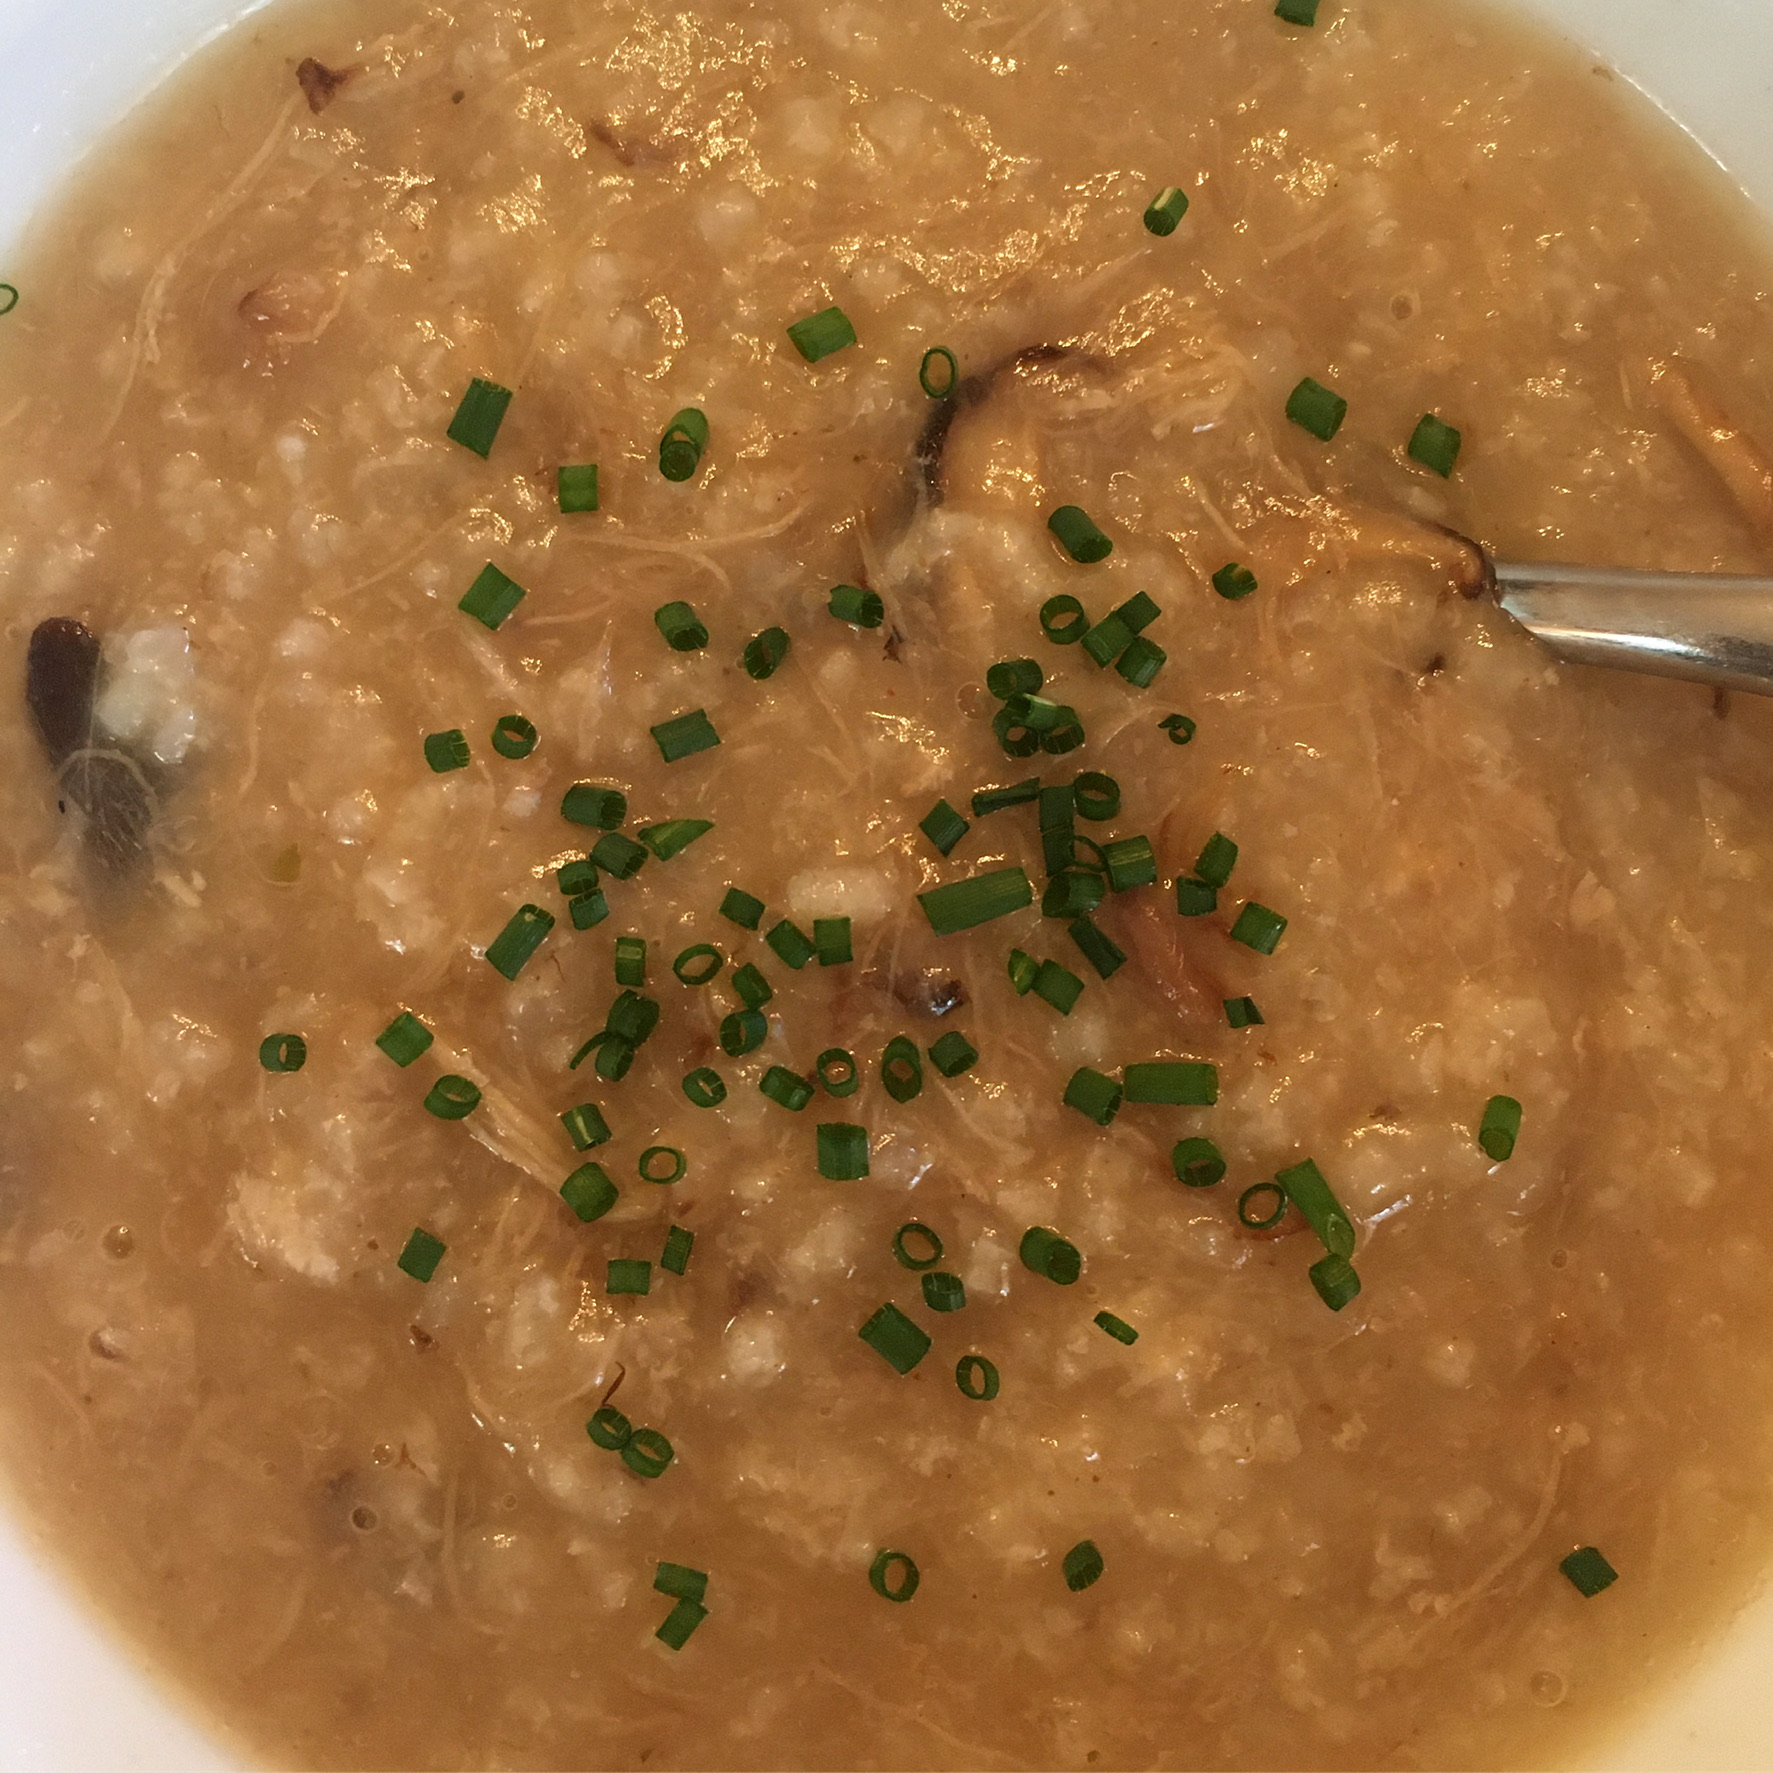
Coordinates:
947 387
697 965
452 1097
1198 1163
11 297
513 736
705 1087
675 1163
647 1453
283 1052
742 1032
1271 1220
1016 739
1095 795
881 1579
922 1234
1062 620
837 1071
976 1377
610 1429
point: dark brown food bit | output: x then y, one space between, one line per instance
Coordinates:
319 83
969 391
630 150
1435 666
61 682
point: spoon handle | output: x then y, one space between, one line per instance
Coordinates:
1709 627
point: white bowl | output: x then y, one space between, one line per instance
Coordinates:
70 1696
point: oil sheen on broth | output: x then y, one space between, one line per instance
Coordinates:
359 1517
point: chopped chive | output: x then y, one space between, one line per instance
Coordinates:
944 1292
1435 444
818 335
837 1071
618 855
1058 986
788 1088
422 1254
491 598
833 940
632 1017
1297 12
615 1057
631 960
1195 898
965 904
447 751
1072 892
678 1244
741 908
585 803
647 1453
1082 1565
588 909
589 1192
680 1623
1095 796
405 1038
610 1429
591 1046
976 1378
479 416
1180 728
1499 1128
683 630
586 1127
705 1087
1067 736
1117 1327
943 389
1234 581
1139 612
1241 1012
914 1232
681 1582
895 1338
1317 409
513 736
1178 1083
751 988
850 603
1335 1280
1165 210
1078 536
1131 862
283 1052
1093 1095
1044 1252
1014 677
843 1151
944 827
791 944
698 964
685 735
510 950
8 298
1259 928
1108 639
682 443
893 1576
452 1097
1057 829
1098 947
994 800
1216 860
628 1274
764 653
1198 1163
663 1164
577 876
953 1054
1141 662
1016 739
575 486
1063 620
1589 1571
1312 1195
1038 714
1259 1217
1024 970
901 1069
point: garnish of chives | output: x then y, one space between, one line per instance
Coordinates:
1056 822
421 1255
1117 1327
1024 969
647 1453
944 1292
1108 639
833 940
837 1071
1078 536
632 1017
1072 892
586 803
479 416
575 486
1312 1195
283 1052
1140 663
682 628
678 1244
965 904
618 855
818 335
901 1069
1066 736
705 1087
742 1032
631 960
685 735
791 944
850 603
1082 1565
1058 986
8 298
1095 796
764 653
588 909
1099 949
1216 860
994 800
405 1038
788 1088
1297 12
1178 1083
697 964
916 1233
1063 620
452 1097
1588 1571
1198 1163
895 1338
610 1429
510 950
741 908
1180 728
628 1274
1233 581
953 1054
682 443
447 751
680 1623
976 1378
589 1192
491 598
1259 928
1016 739
944 827
842 1151
1435 444
1094 1095
586 1127
893 1576
1317 409
1260 1217
1014 677
513 736
1165 210
1131 862
1499 1128
1335 1280
1195 898
938 387
1038 714
1044 1252
663 1164
681 1582
1241 1012
615 1056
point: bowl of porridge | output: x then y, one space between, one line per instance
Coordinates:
796 975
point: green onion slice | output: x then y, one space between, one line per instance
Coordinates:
1589 1571
421 1255
586 803
1499 1128
895 1338
682 444
1078 535
630 960
1014 677
1195 898
1016 739
513 736
619 855
589 1192
681 1582
8 298
791 944
938 387
842 1151
491 598
479 416
965 904
283 1052
511 949
764 653
893 1576
977 1378
911 1233
647 1453
944 1292
628 1274
833 939
1093 1095
1313 407
953 1054
586 1127
576 877
452 1097
447 751
1099 949
1217 859
685 735
1082 1565
994 800
1435 444
944 827
698 964
683 630
1335 1280
1095 796
1117 1327
705 1087
610 1429
1180 728
678 1244
850 603
1234 581
1024 970
901 1069
1252 1210
751 988
1259 928
788 1088
1058 986
663 1164
1297 12
575 486
1044 1252
1198 1163
680 1623
742 1032
1063 621
818 335
1131 862
837 1072
1312 1195
1165 210
1140 663
588 909
742 909
1177 1083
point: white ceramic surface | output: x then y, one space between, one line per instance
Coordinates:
70 1699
